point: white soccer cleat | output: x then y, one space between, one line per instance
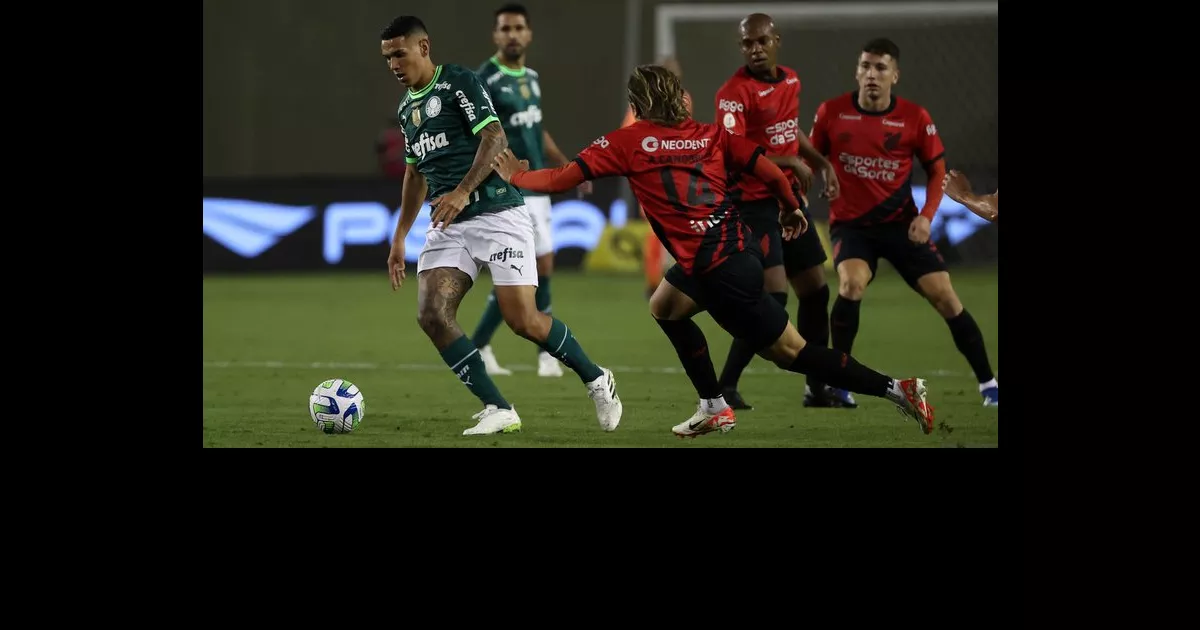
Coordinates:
701 423
548 365
495 420
603 392
489 363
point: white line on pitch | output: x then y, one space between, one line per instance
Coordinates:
438 367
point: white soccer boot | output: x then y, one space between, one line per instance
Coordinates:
495 420
489 362
603 392
701 423
548 365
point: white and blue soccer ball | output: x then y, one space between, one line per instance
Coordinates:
336 406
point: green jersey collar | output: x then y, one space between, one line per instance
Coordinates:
506 70
428 88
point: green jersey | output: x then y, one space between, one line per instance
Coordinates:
440 122
518 99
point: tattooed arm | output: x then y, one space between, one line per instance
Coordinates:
491 142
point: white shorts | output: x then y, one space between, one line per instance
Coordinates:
539 209
502 240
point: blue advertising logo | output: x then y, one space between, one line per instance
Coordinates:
573 223
250 228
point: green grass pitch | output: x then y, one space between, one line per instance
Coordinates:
270 339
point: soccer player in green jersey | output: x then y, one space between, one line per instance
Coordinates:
453 135
515 90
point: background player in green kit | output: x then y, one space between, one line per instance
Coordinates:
453 135
517 94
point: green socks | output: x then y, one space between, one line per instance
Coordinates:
488 323
463 358
561 344
542 297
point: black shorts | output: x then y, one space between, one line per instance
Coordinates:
733 295
762 217
796 255
890 241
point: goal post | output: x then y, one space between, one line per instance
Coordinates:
668 16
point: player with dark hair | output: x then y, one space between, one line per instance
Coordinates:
678 170
761 102
515 90
958 188
477 219
875 137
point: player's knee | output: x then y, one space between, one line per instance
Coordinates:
519 322
852 287
527 323
783 352
667 303
937 289
660 307
433 323
947 304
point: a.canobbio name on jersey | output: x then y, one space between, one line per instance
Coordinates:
869 167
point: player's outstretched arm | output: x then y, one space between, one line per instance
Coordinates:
958 188
986 206
546 180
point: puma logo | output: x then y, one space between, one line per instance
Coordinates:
517 268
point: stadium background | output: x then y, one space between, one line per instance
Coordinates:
295 95
298 217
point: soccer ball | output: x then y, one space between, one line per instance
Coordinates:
336 406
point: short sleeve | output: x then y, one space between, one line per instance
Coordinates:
474 102
929 143
731 109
